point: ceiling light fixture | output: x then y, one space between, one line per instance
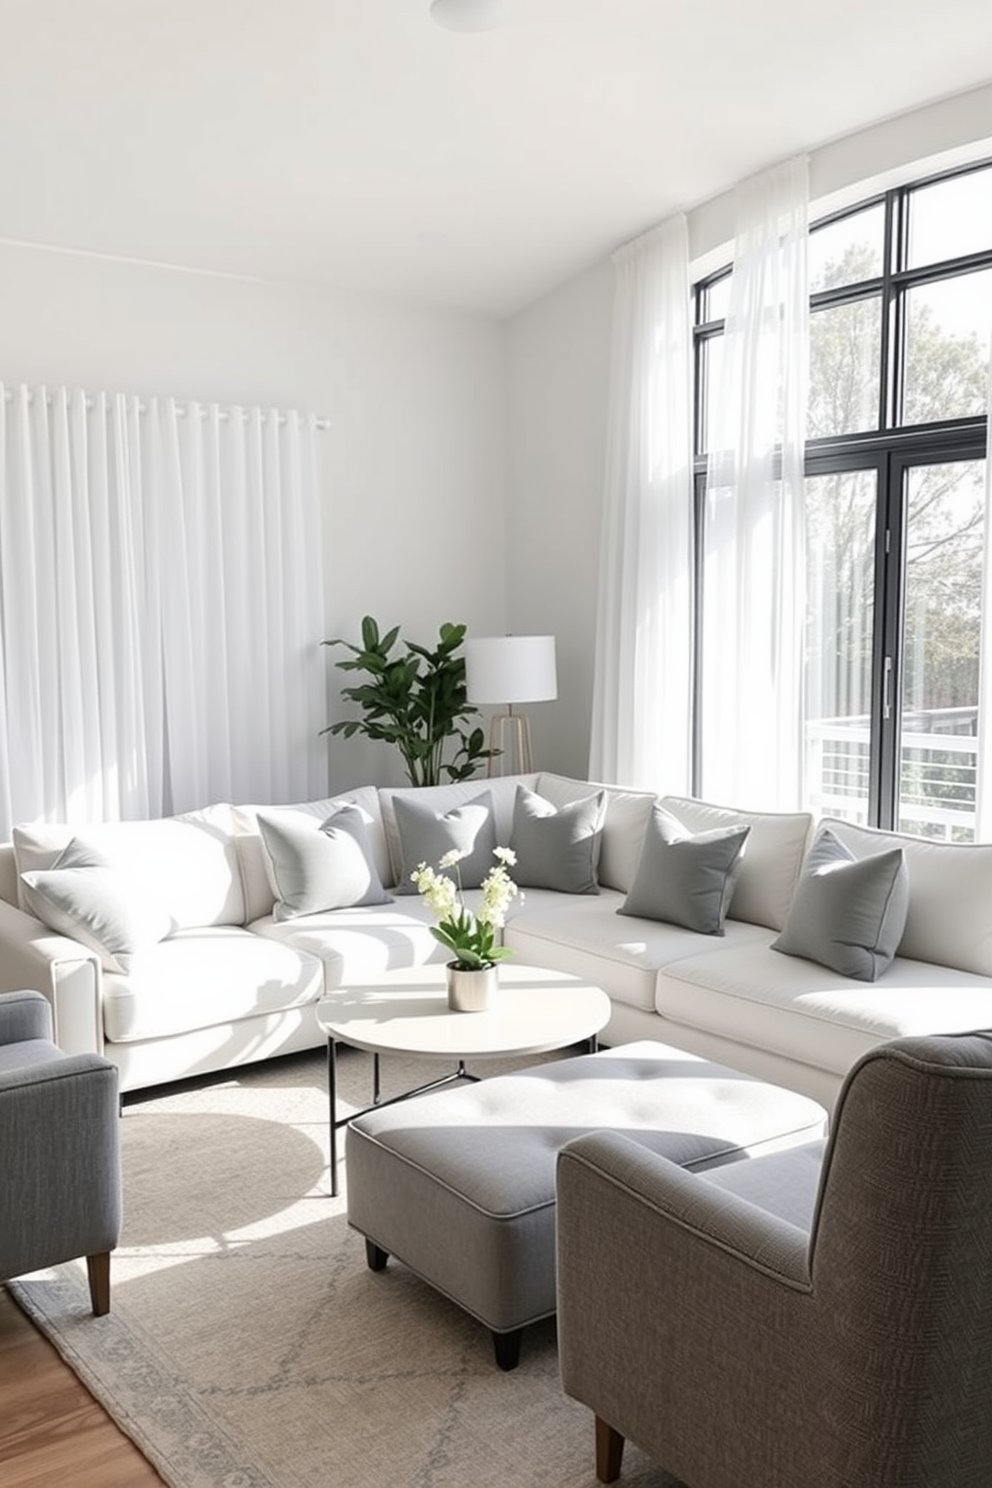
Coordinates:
469 15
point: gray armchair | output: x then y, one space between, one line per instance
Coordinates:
60 1189
817 1317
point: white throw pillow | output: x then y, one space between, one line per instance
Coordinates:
82 896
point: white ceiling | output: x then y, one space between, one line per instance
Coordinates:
355 143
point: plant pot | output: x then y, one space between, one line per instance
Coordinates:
471 991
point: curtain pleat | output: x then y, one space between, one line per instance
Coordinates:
642 697
983 803
754 557
161 604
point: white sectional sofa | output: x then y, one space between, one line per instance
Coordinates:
216 974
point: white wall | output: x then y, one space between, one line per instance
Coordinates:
558 381
558 353
412 464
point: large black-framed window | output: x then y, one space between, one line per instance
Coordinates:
900 324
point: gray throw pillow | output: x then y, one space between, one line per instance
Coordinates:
83 896
557 847
316 866
684 878
847 913
426 835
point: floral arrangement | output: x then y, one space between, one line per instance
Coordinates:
470 937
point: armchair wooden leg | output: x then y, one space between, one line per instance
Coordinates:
98 1271
609 1451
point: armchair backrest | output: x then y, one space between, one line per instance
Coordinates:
901 1248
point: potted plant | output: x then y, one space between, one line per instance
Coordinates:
415 699
471 937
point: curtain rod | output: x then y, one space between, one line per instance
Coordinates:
182 406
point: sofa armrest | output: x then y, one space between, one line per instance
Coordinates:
65 972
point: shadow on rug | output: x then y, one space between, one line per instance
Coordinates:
249 1346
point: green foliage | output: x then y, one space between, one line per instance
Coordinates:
416 700
472 942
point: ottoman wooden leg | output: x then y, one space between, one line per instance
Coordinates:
376 1258
506 1346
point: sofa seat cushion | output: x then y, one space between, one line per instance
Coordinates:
361 943
796 1008
589 938
203 978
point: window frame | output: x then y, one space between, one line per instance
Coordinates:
891 448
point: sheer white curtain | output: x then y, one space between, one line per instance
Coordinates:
754 558
983 824
642 696
161 606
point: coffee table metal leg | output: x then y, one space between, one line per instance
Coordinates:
332 1099
336 1122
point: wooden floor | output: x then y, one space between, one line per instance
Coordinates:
51 1428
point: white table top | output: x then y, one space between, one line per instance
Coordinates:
407 1011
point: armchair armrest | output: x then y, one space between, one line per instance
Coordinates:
64 971
724 1220
24 1016
60 1183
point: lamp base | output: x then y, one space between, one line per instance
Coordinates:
518 727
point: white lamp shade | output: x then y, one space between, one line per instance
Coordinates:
469 15
511 669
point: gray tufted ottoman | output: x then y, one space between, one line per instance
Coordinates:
460 1185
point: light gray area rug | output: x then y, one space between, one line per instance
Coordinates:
249 1346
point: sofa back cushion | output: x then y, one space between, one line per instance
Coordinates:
255 878
186 865
776 846
949 920
439 799
316 866
557 847
9 881
427 835
627 813
848 913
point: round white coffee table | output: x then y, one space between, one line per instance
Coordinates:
407 1012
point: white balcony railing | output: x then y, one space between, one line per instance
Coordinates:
938 771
